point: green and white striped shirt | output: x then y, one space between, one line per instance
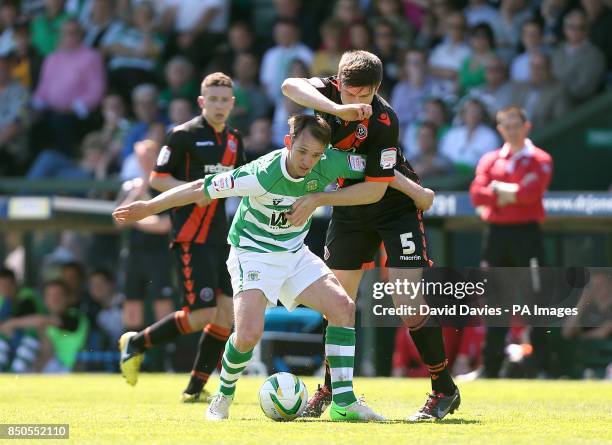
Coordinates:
269 191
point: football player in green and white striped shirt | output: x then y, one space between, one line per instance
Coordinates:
268 260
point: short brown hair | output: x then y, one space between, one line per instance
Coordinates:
359 69
511 111
216 80
316 126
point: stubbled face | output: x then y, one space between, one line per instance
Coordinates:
304 153
216 103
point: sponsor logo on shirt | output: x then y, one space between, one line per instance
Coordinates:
278 220
164 156
217 168
223 182
277 201
388 158
204 143
356 163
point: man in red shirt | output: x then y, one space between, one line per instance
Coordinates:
508 190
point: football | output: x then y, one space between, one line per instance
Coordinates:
283 396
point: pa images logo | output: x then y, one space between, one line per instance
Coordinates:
252 275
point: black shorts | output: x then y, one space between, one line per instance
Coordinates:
513 245
353 242
203 274
147 273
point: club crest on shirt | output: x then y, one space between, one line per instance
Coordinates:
312 185
361 131
388 158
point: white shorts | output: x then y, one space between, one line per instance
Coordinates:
280 275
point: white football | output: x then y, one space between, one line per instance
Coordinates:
283 396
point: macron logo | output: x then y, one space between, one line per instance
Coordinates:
384 119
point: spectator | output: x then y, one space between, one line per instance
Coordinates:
510 195
47 27
349 12
93 162
71 86
259 140
409 95
551 13
180 111
18 350
14 100
480 11
63 331
98 20
428 162
578 63
179 81
195 27
495 94
513 14
26 62
73 275
391 11
472 70
132 51
9 12
360 37
543 98
145 100
240 39
434 111
531 39
599 17
433 29
326 59
306 13
447 57
115 127
105 321
287 108
278 59
386 48
251 100
464 144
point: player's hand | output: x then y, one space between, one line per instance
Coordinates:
132 212
302 209
203 202
353 112
425 199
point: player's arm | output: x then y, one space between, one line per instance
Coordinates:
171 157
306 92
176 197
423 197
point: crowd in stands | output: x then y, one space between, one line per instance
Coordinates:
83 82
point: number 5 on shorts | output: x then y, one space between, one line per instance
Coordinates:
408 246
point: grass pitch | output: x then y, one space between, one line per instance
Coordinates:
104 409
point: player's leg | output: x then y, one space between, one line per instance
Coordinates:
406 246
347 248
210 276
256 280
194 315
326 296
249 309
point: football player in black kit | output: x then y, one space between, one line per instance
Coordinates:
194 149
363 122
